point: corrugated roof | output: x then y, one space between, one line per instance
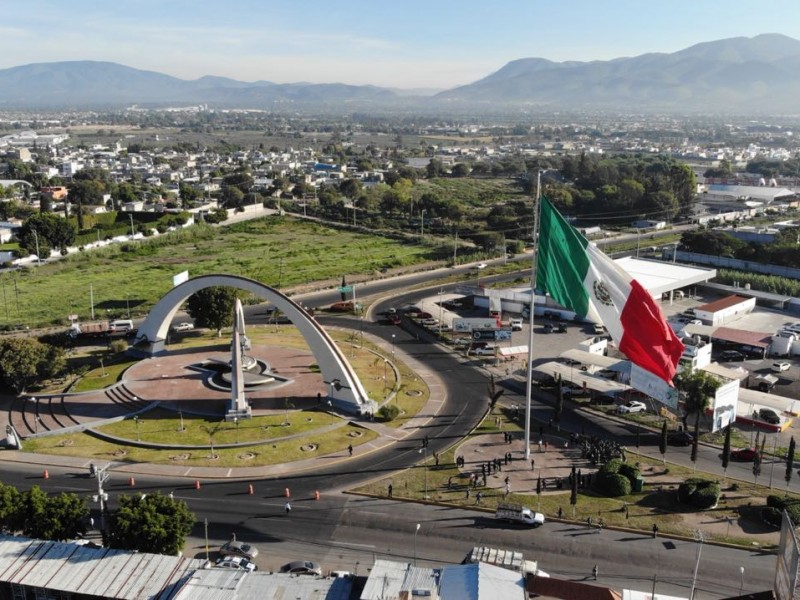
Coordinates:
100 572
231 584
385 580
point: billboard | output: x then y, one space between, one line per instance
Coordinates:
495 335
655 387
724 404
467 325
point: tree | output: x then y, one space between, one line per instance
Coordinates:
726 450
64 518
10 515
662 442
789 462
150 523
494 394
49 230
696 387
25 361
212 307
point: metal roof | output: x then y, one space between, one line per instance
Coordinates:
103 572
598 360
481 581
232 584
722 303
752 338
599 384
658 276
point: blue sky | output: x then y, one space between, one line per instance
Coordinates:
405 44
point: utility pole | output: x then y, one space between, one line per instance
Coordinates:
455 249
133 232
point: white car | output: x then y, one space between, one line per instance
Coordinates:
480 266
183 326
779 367
485 351
235 562
633 406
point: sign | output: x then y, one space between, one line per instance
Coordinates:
483 334
724 405
346 288
655 387
180 278
467 325
788 561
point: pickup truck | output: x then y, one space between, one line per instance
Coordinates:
519 514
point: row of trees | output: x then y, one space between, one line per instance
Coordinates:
152 523
783 251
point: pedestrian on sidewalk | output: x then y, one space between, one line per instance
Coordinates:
655 530
533 464
560 512
287 507
594 572
350 449
390 489
478 497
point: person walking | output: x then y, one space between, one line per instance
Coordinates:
478 497
594 572
390 489
655 530
350 449
287 507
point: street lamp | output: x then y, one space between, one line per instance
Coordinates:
36 238
136 420
699 538
741 585
392 346
425 449
180 416
422 224
416 531
236 421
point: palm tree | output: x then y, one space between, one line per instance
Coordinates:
696 388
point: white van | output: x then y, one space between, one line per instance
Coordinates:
516 324
121 325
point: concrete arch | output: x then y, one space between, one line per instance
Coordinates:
345 389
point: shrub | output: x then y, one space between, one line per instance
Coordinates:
771 516
388 412
119 346
614 485
699 493
629 471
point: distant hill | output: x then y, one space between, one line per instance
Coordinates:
749 75
739 75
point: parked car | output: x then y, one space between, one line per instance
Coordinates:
235 562
731 356
680 438
634 406
485 351
770 416
183 326
744 454
548 328
598 329
781 366
604 399
429 322
302 567
394 319
561 328
480 266
235 548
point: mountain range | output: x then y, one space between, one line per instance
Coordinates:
758 75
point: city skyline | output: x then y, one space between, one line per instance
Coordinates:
408 46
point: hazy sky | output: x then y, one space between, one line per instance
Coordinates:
405 44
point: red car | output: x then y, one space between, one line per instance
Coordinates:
394 319
744 454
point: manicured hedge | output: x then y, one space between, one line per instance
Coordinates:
616 478
772 512
699 493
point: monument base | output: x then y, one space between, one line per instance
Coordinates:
238 413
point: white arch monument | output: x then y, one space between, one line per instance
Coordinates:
345 391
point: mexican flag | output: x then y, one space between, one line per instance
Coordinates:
580 277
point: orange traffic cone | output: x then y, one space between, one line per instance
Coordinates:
46 475
287 493
132 482
316 495
250 489
197 484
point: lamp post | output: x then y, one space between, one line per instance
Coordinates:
416 531
36 238
133 232
236 421
392 346
699 538
180 416
101 496
136 420
425 449
422 224
741 585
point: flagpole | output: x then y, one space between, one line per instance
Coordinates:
529 384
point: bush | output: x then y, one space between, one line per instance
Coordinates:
699 493
771 516
119 346
614 485
388 412
629 471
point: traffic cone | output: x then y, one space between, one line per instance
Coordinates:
316 495
197 484
250 489
46 475
132 482
287 493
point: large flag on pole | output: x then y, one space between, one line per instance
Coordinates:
580 277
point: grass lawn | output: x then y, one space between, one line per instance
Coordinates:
131 277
